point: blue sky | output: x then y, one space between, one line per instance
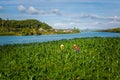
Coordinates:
82 14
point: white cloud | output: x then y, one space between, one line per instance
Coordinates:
1 8
21 8
114 22
32 10
104 25
90 16
95 17
115 18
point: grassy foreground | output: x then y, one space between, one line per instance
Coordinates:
98 59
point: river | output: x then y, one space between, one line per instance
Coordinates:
44 38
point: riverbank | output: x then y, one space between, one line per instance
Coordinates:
98 58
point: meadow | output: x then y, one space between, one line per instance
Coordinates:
98 59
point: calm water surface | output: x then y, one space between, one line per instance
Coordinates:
44 38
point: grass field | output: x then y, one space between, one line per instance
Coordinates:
98 59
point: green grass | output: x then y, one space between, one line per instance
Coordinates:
98 59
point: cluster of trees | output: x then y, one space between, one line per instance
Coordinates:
22 27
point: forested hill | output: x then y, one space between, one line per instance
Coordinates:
23 27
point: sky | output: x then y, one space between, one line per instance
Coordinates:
65 14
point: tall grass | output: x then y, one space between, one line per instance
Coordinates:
98 59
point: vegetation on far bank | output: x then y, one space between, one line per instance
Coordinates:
117 30
98 59
28 27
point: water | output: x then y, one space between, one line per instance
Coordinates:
44 38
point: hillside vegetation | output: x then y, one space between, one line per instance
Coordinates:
98 59
22 27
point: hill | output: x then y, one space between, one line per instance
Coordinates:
23 27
